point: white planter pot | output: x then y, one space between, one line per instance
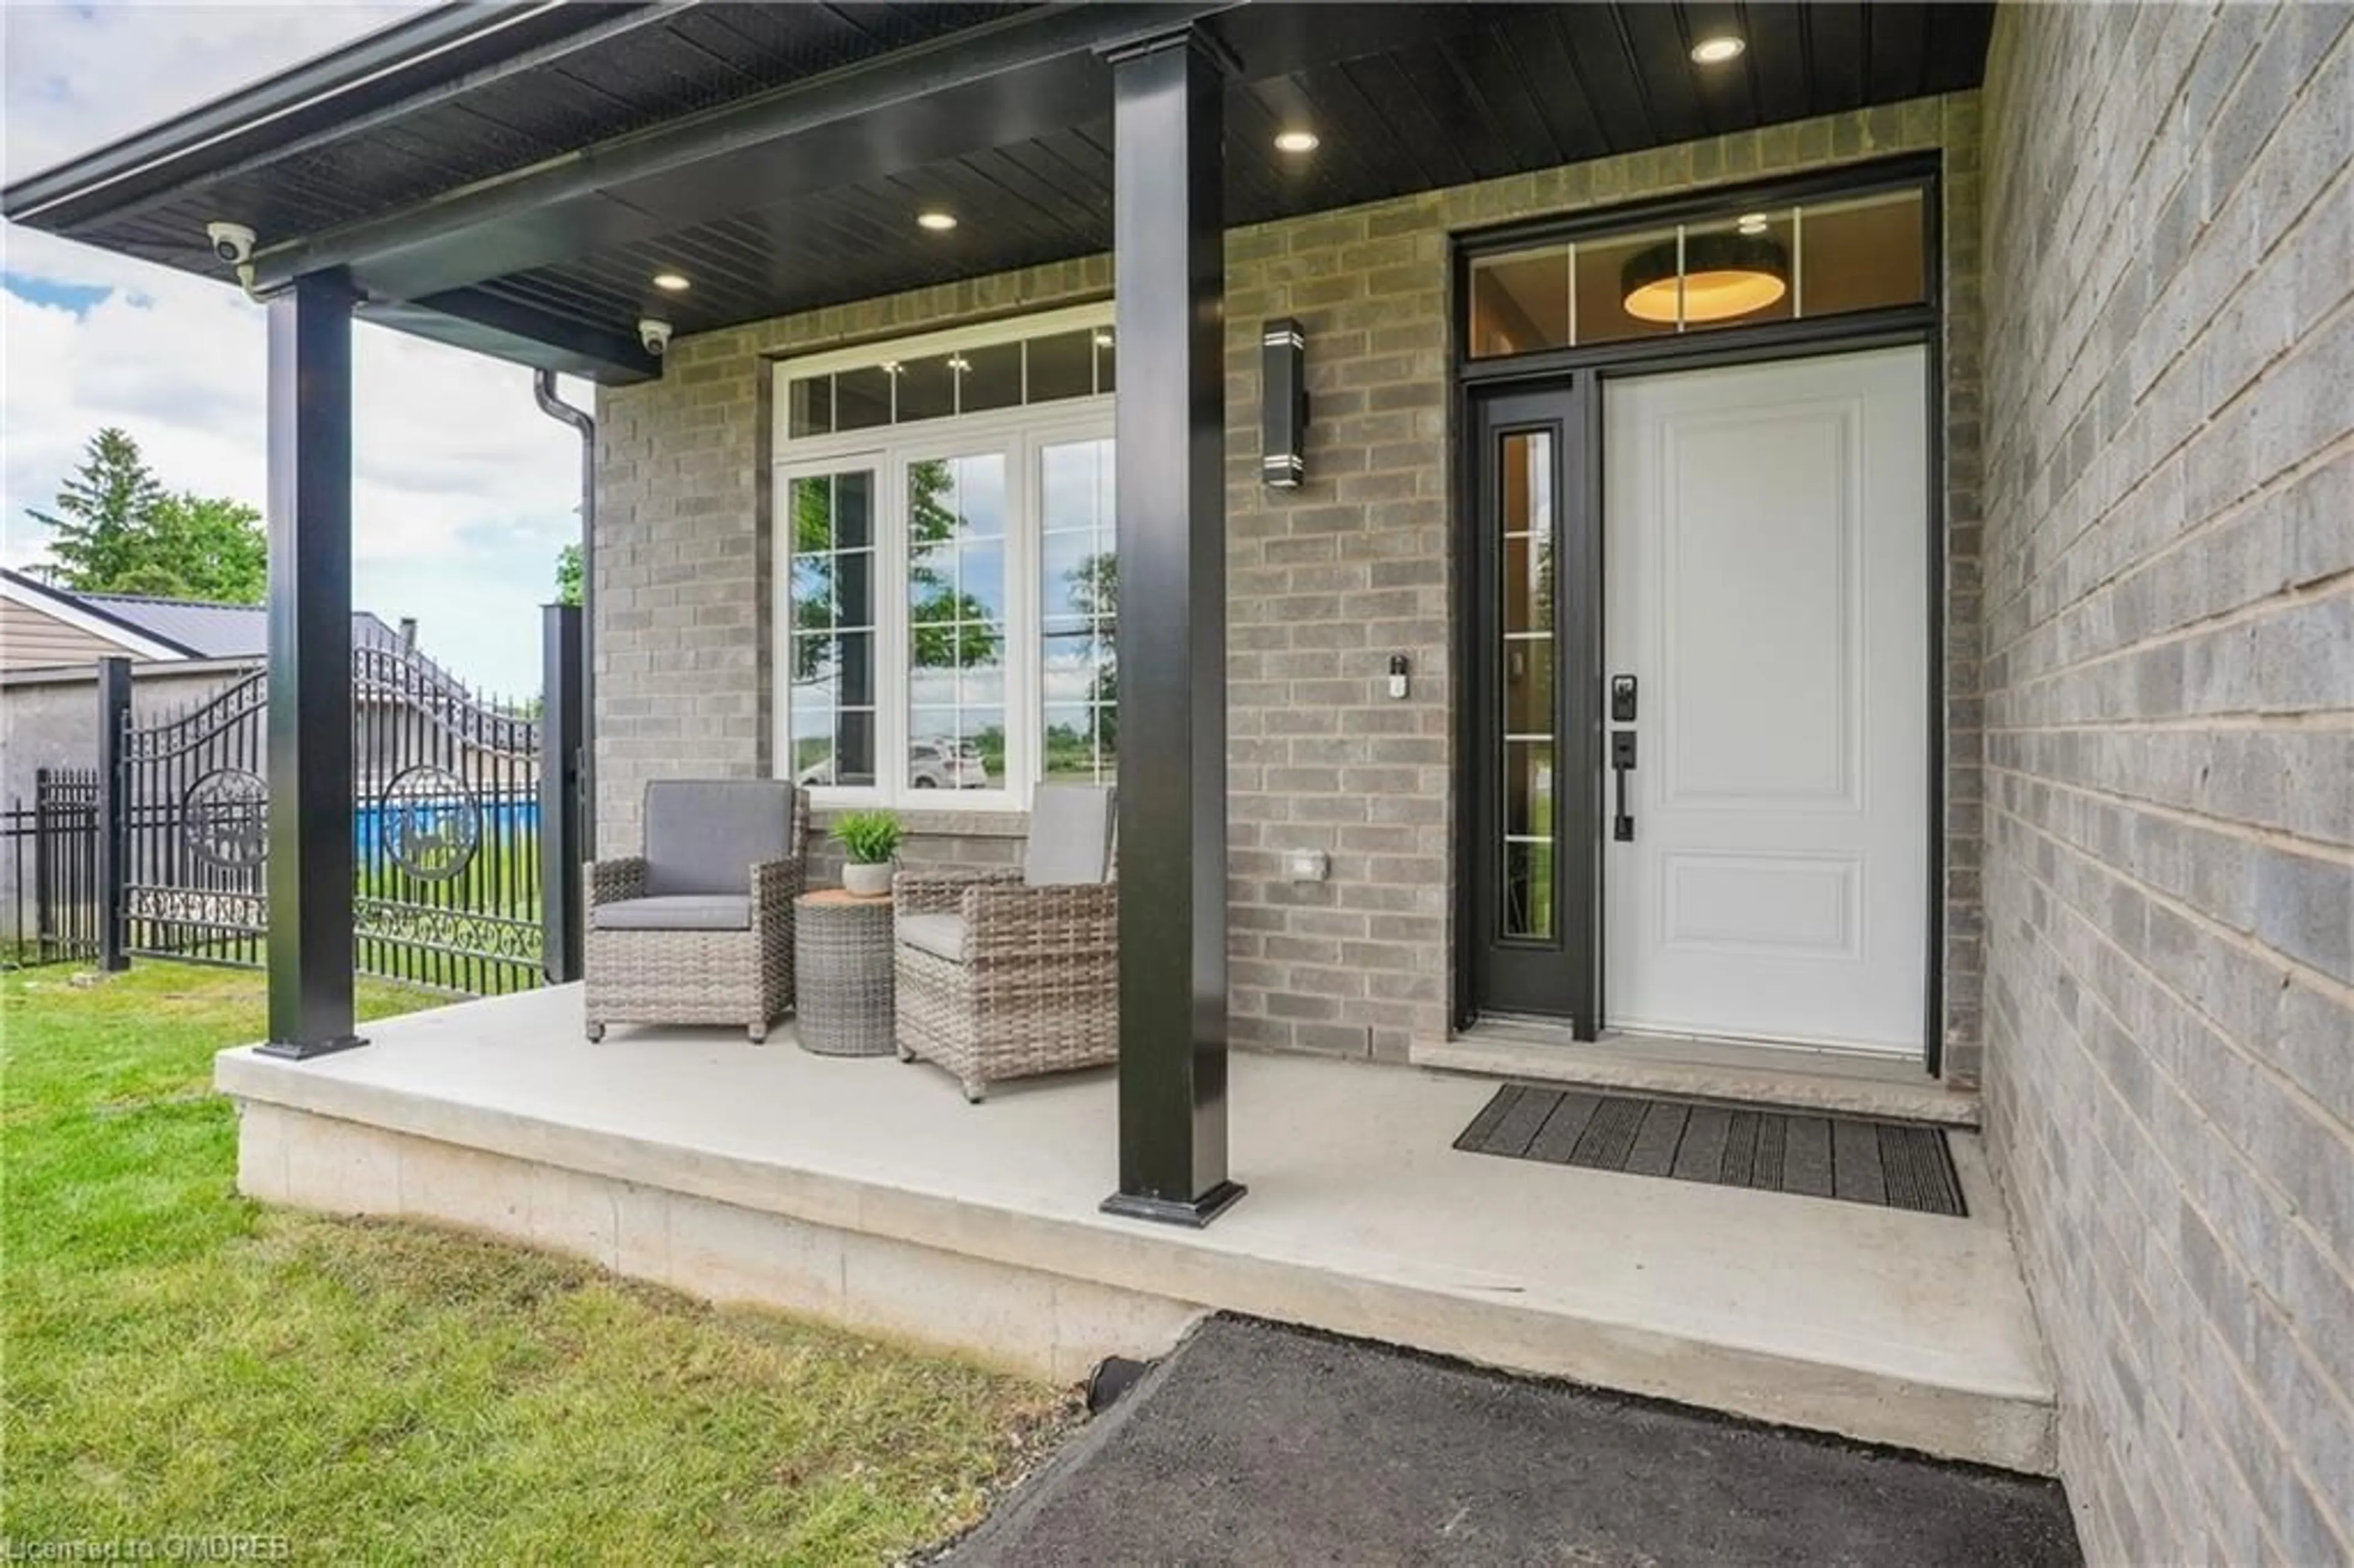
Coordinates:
867 881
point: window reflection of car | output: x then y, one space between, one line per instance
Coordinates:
945 764
931 765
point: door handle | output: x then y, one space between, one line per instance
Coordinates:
1622 763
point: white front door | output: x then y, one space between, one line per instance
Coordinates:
1766 542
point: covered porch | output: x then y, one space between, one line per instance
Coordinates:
1296 552
871 1192
1312 647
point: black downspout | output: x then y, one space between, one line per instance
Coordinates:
554 407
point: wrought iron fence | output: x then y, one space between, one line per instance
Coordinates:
55 906
446 845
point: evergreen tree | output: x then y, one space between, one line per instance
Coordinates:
117 530
101 514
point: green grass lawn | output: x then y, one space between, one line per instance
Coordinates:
180 1361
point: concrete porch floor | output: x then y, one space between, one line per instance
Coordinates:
871 1192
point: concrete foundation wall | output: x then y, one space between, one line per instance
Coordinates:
2170 721
1025 1319
1326 582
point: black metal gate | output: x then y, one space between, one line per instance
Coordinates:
448 820
446 823
194 828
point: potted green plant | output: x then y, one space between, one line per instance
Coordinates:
870 846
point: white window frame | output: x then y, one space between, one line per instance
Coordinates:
1020 433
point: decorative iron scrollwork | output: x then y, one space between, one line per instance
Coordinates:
493 936
247 913
432 823
226 819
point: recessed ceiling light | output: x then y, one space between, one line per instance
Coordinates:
937 221
1295 141
1718 50
674 282
1752 223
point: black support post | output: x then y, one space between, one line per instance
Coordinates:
310 784
563 786
1168 281
113 815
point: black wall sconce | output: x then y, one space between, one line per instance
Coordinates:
1283 404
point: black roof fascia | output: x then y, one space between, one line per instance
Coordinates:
435 52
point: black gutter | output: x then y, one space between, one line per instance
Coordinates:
390 65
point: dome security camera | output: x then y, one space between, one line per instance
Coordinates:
233 243
654 334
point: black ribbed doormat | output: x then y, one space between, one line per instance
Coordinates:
1897 1165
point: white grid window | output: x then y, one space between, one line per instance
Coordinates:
947 584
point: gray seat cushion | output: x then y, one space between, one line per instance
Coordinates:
704 836
1070 836
942 935
678 912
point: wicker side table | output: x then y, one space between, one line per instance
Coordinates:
842 974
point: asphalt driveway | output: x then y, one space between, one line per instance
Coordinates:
1256 1444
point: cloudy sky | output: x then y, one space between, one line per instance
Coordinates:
464 490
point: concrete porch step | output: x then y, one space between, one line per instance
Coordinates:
1828 1081
870 1191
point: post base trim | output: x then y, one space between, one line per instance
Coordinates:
303 1050
1194 1213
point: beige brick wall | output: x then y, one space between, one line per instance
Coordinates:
2170 707
1326 582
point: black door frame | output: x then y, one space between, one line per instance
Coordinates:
1555 975
1578 375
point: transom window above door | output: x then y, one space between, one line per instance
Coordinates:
948 593
899 384
1762 260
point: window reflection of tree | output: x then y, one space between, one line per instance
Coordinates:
951 628
1092 589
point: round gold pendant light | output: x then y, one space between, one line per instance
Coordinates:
1725 275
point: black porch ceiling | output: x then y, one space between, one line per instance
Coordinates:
1403 98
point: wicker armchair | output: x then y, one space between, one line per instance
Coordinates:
699 930
1008 973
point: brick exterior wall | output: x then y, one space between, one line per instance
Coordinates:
2169 670
1326 582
